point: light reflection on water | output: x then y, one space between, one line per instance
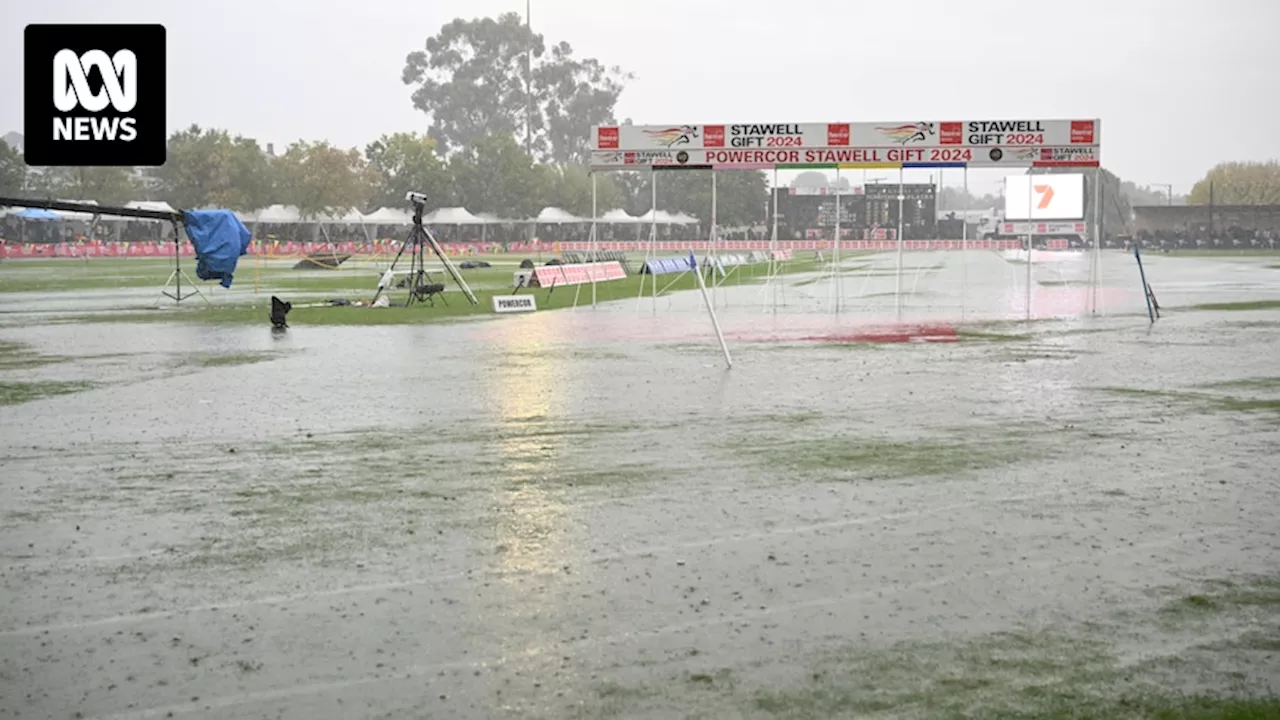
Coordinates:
529 408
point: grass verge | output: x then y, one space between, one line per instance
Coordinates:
845 458
1239 306
457 307
16 356
14 393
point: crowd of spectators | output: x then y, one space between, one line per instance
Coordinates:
19 230
1232 238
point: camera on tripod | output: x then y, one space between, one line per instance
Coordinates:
417 279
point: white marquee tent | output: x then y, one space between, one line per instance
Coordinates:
556 216
389 216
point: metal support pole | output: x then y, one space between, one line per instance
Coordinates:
715 323
773 243
595 238
897 291
964 247
1097 235
836 248
653 226
712 239
1030 228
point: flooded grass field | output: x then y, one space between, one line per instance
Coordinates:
581 513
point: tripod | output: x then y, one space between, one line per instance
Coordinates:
416 242
178 274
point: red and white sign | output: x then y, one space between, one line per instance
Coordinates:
953 133
846 157
579 274
1043 228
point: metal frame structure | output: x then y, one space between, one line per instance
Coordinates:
1095 270
173 218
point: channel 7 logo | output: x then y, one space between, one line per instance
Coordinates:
94 95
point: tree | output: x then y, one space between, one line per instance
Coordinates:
106 185
496 176
407 161
956 199
475 79
1239 183
13 170
741 197
568 187
211 168
1147 195
574 95
320 179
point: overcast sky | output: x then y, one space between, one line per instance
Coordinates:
1179 85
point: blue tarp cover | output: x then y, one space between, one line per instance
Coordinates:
39 214
219 239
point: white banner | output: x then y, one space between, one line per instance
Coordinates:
953 134
1043 228
514 303
1044 197
847 158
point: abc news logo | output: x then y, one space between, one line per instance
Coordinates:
71 91
94 95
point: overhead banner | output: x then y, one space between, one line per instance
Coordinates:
1044 197
1012 143
845 158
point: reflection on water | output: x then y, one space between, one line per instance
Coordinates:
524 390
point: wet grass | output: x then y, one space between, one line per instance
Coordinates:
1241 252
14 393
17 356
1239 306
1223 596
1200 402
1085 670
458 308
993 336
1076 674
880 459
1063 283
232 359
268 275
1260 383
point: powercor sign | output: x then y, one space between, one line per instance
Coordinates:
1044 197
513 303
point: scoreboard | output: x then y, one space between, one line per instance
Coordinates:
808 215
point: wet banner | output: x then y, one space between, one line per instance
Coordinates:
549 275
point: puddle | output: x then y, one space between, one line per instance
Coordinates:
582 514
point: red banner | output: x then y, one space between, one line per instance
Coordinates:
549 275
273 249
